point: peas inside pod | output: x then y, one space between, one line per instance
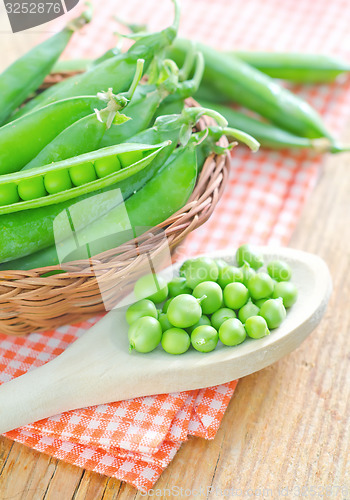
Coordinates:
58 178
212 303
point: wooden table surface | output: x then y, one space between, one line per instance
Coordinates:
286 432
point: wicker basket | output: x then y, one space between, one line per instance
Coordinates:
31 302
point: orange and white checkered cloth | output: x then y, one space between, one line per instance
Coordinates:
135 440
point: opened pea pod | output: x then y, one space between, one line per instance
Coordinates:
74 177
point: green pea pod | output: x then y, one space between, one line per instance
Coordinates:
241 83
268 135
85 135
161 197
116 72
68 65
26 74
23 139
73 177
27 231
296 67
80 65
81 137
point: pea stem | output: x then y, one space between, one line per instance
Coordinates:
247 139
194 114
200 300
136 80
188 64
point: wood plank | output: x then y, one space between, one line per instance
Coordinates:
26 473
64 482
91 487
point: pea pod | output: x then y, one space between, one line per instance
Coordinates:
23 232
22 139
68 65
296 67
241 83
80 65
73 177
26 74
269 135
116 72
85 135
162 196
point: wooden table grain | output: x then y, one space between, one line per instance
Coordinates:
286 432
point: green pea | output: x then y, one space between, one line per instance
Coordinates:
274 312
8 194
247 311
106 166
279 270
260 302
256 327
184 311
176 341
82 174
203 320
198 270
55 182
232 332
145 334
220 316
178 286
221 264
251 255
164 322
235 295
139 309
152 287
229 274
30 189
166 305
260 286
129 158
247 273
204 338
213 300
287 291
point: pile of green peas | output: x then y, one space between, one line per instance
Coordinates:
211 301
56 181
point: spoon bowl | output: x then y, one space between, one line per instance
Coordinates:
98 368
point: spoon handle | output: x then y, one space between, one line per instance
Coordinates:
61 384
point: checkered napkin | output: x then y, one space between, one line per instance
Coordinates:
135 440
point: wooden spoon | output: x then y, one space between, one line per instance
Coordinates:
98 368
